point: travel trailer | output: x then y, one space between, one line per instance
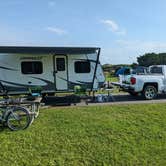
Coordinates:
53 69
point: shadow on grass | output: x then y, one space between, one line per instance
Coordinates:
3 127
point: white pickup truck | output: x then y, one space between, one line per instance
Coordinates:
149 85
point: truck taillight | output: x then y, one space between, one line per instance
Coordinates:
133 80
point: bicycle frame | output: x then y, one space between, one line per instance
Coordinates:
9 108
5 111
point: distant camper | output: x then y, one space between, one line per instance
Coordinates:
52 69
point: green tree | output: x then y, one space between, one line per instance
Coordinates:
152 59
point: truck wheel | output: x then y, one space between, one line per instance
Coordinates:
150 92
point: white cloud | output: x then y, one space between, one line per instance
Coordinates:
56 30
51 3
113 26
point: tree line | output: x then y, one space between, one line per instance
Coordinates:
145 60
152 59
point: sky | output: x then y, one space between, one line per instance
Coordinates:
123 29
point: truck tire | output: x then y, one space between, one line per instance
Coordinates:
150 92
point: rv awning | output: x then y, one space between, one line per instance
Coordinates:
48 50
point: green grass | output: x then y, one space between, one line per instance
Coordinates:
101 135
110 78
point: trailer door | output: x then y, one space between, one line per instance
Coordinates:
61 79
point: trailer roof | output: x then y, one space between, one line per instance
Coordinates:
47 50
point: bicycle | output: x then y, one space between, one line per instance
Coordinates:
33 105
15 117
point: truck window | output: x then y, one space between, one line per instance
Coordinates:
156 70
127 72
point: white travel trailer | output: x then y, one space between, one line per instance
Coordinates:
53 69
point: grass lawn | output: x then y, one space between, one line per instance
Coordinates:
105 135
110 78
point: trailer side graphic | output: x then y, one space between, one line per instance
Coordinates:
54 69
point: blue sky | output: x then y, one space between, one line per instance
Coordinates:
124 29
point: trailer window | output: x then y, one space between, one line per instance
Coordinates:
82 67
32 67
60 63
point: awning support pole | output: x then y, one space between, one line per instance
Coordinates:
94 76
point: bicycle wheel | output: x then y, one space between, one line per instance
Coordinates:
18 119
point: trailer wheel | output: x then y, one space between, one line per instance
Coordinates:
150 92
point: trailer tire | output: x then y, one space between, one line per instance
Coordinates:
150 92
